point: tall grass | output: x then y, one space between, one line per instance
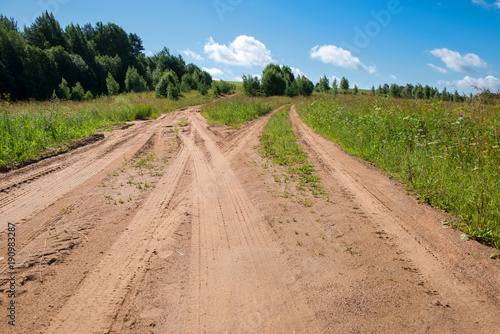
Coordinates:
448 154
239 109
28 128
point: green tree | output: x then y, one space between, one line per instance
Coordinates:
40 73
344 84
45 32
373 90
63 92
251 85
134 82
335 87
304 86
111 84
273 82
394 90
169 78
323 84
12 59
77 92
355 89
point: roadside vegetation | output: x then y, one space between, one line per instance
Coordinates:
279 144
28 129
447 153
239 109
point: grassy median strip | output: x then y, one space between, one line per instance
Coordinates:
239 109
448 154
279 144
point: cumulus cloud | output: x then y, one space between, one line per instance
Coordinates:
489 82
192 54
243 51
339 57
215 72
458 63
438 69
297 72
394 77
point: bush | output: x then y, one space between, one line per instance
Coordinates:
88 95
169 78
77 92
172 92
143 111
203 88
63 92
134 82
112 85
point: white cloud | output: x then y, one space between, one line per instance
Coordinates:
438 69
333 79
339 57
394 77
481 3
215 72
297 72
489 82
192 54
458 63
486 4
243 51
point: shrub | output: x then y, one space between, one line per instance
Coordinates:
77 92
63 92
172 92
134 82
88 95
112 85
169 78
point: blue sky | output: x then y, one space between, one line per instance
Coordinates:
440 43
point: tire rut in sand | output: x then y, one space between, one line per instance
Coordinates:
235 272
98 298
15 206
415 230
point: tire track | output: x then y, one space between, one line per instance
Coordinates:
58 180
98 298
235 273
412 227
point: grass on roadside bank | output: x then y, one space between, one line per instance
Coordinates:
238 109
27 129
447 154
279 144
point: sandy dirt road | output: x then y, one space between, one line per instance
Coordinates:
164 227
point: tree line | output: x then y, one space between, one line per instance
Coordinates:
277 80
408 91
79 62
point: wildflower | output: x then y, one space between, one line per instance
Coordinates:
461 115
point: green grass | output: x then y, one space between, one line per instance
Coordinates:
28 128
447 154
239 109
279 144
